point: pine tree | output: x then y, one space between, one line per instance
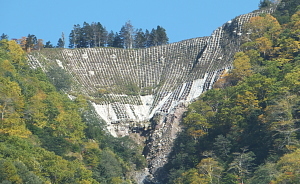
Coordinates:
118 42
110 39
99 35
60 43
140 39
161 36
127 35
31 40
75 37
4 37
48 45
86 40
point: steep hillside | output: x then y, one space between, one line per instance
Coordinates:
136 84
48 138
246 129
129 88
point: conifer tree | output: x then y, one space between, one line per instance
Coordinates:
60 43
31 40
139 39
127 35
4 37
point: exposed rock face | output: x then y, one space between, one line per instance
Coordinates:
132 87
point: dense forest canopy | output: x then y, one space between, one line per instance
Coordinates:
48 138
246 129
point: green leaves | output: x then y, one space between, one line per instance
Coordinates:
59 78
254 107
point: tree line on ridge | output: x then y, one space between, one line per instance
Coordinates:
95 35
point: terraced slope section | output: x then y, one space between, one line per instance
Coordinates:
132 85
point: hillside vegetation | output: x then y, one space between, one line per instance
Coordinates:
246 129
47 138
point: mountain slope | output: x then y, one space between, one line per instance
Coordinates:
129 88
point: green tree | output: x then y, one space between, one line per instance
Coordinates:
48 45
241 67
31 41
15 53
222 146
110 39
127 35
211 170
60 43
59 78
162 37
242 163
288 167
68 124
4 37
192 177
11 106
139 39
197 125
292 80
75 37
8 172
265 3
99 34
263 26
264 174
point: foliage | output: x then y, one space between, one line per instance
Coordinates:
286 9
265 3
95 35
48 138
59 78
249 124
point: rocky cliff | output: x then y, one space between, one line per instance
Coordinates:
145 91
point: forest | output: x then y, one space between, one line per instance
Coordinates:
244 130
45 137
95 35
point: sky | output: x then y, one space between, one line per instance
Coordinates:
182 19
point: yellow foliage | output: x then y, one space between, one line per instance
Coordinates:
16 53
292 80
197 125
91 144
264 45
11 109
116 180
7 66
196 133
266 26
241 66
37 107
69 124
222 82
295 24
248 101
192 177
14 125
289 167
84 182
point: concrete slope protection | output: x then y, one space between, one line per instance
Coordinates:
131 87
